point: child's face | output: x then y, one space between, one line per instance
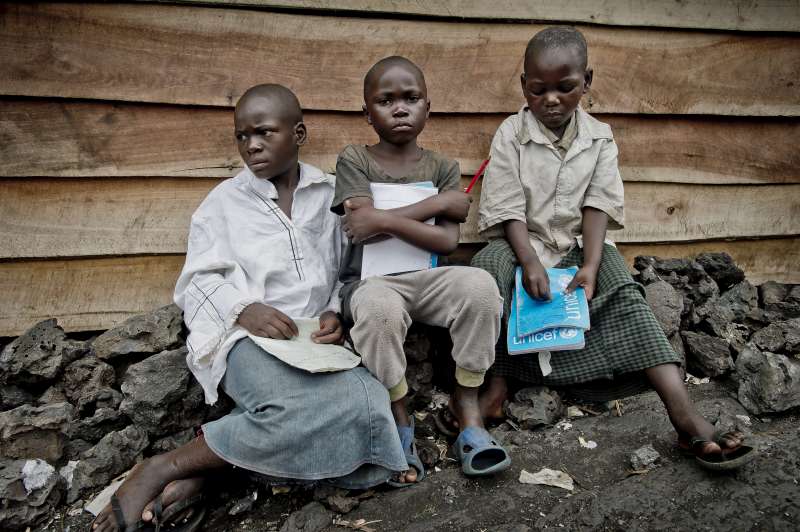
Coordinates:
396 105
267 140
553 84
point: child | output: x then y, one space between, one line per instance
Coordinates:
553 176
465 300
263 247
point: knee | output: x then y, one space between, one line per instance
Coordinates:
377 307
479 289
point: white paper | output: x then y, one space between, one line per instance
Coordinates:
547 477
392 255
301 352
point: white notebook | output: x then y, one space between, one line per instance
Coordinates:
392 255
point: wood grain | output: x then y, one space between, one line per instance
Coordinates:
82 139
95 294
769 15
209 56
107 216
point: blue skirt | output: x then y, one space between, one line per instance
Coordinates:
292 424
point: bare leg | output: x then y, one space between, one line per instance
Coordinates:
666 379
466 407
150 477
401 417
492 398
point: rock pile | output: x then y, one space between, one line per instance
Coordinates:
74 414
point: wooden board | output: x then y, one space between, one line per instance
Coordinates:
769 15
94 294
98 217
209 56
665 212
66 139
87 294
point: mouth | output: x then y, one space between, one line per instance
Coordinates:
402 127
257 165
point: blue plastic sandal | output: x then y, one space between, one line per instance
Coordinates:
412 458
479 453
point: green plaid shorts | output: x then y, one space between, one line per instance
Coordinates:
624 339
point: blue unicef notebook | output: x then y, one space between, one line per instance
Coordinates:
557 339
563 310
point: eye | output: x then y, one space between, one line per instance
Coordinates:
240 137
413 98
537 91
384 101
566 88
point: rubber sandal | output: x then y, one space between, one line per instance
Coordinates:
727 460
119 517
479 454
412 458
170 519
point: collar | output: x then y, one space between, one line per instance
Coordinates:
309 175
589 129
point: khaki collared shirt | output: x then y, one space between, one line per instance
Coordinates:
530 180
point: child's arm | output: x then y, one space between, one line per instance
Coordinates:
363 221
593 226
534 276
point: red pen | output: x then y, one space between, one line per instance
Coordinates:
477 176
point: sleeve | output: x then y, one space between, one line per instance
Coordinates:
206 288
605 191
351 179
502 194
334 302
449 175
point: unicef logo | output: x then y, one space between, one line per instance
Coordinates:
563 280
566 334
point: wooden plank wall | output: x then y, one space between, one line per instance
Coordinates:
115 121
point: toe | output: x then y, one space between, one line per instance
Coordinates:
411 475
731 440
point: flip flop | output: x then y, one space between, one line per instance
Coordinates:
727 460
168 517
412 458
479 453
119 517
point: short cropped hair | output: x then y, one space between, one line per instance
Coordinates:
289 104
558 37
387 62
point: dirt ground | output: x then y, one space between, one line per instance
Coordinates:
675 495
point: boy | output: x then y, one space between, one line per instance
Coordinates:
263 248
553 178
462 299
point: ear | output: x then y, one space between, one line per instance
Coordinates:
587 79
300 133
522 84
366 114
427 108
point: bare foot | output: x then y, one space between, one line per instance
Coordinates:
145 481
174 492
492 398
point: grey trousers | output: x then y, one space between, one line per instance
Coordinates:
465 300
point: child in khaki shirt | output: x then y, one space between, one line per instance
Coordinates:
553 181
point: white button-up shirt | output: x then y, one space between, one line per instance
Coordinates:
243 249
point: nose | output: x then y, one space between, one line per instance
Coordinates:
253 145
551 99
400 110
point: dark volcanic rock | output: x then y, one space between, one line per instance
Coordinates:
35 431
26 506
685 275
39 355
779 336
417 345
88 384
145 333
161 395
709 354
772 292
54 394
741 300
312 517
535 406
92 429
721 268
13 396
644 458
667 305
115 453
173 441
768 382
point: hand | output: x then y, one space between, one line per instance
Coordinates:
454 205
586 278
535 280
330 330
361 222
266 321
